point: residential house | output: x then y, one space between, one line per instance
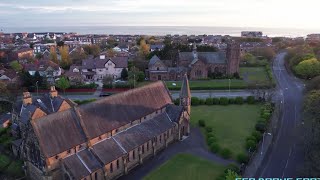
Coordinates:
75 75
96 69
8 75
23 53
46 68
156 47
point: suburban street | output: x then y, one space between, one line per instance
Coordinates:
286 156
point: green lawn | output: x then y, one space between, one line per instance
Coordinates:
231 124
254 75
186 167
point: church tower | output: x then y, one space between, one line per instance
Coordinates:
185 95
233 58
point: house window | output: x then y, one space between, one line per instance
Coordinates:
99 138
111 167
147 146
118 165
57 157
69 151
159 77
145 117
95 175
158 68
160 138
142 149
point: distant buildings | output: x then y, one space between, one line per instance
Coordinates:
313 38
251 34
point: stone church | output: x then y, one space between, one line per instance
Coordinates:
101 140
197 65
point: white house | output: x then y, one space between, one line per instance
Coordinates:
96 69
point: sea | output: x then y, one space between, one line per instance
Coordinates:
164 30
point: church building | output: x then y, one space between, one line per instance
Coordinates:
101 140
198 65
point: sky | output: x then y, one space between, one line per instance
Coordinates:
301 14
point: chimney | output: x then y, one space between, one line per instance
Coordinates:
53 92
27 99
102 56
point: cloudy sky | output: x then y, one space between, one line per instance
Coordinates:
229 13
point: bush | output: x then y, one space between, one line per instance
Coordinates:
176 101
202 123
212 140
239 100
225 153
251 100
232 167
251 145
261 126
257 135
232 101
209 101
215 100
266 115
210 134
202 102
252 138
84 86
209 129
242 158
195 101
215 148
224 101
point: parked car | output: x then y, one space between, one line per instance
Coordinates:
104 94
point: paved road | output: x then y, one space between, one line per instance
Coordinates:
287 152
195 144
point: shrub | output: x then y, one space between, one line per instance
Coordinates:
202 123
239 100
209 101
84 86
210 134
266 115
195 101
176 101
261 126
232 167
251 145
232 101
257 135
209 129
215 148
224 101
212 140
242 158
250 100
252 138
202 102
215 100
225 153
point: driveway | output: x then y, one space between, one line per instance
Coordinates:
195 144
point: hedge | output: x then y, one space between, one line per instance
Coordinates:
225 153
243 158
250 100
84 86
251 145
215 148
224 101
209 129
239 100
202 123
195 101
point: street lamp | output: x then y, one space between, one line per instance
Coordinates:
37 88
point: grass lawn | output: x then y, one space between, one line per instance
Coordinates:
4 161
186 167
254 75
231 124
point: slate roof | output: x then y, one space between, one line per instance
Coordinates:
185 90
89 160
153 60
58 132
115 111
120 62
41 65
208 57
75 167
139 134
174 112
108 150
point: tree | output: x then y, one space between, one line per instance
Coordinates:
266 52
231 175
63 83
124 74
308 68
53 55
314 84
65 59
144 48
92 50
111 53
107 80
16 66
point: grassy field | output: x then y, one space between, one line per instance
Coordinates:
231 124
254 75
186 167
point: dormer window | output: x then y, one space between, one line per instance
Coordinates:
57 157
158 68
69 151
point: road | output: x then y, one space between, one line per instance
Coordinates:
287 153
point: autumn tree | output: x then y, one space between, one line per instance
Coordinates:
65 59
53 55
144 48
16 66
111 53
308 68
92 50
